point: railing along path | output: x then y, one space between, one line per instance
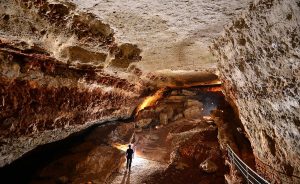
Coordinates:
250 175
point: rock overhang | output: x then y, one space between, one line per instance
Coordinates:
174 36
162 39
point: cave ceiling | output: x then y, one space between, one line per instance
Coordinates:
174 36
164 42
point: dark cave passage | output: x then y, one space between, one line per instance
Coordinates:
166 143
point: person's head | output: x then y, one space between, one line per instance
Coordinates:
129 146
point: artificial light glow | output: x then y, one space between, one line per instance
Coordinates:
138 158
139 161
151 100
122 147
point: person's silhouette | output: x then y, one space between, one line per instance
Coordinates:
129 155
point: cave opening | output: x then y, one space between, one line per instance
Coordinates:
182 131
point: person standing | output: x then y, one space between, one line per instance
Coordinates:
129 156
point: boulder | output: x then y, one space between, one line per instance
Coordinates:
146 114
208 166
191 103
192 112
144 122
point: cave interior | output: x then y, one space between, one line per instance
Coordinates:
203 91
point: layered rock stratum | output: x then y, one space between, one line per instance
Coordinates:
259 62
53 79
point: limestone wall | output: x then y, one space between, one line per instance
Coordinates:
259 62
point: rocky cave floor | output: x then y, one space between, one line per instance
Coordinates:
181 139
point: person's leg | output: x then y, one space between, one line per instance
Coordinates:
127 163
130 160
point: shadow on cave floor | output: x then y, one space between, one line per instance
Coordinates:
175 141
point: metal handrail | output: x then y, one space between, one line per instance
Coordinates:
250 175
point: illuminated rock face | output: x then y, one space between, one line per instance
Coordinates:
173 34
259 60
52 77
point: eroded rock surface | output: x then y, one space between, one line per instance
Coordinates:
59 74
173 34
259 60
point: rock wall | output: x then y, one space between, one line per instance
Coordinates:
259 62
60 72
